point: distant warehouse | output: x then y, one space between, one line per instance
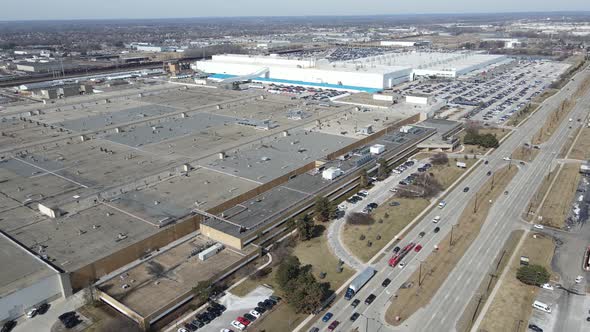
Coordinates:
369 74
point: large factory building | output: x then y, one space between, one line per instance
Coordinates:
363 74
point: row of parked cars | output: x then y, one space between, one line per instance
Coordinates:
242 322
213 311
39 310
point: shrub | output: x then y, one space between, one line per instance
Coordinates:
357 218
532 274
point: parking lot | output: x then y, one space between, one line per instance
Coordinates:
495 95
235 307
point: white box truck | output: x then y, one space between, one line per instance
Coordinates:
461 164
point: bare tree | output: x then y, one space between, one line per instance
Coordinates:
439 159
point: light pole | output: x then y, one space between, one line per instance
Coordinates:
420 274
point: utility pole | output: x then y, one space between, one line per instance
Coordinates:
420 275
493 176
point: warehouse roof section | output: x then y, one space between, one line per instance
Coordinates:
24 268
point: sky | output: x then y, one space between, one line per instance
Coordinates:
96 9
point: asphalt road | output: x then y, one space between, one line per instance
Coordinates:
457 291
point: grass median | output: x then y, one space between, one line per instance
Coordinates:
557 204
390 220
524 153
581 149
439 264
513 299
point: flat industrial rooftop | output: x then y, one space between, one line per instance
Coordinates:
122 164
19 268
161 279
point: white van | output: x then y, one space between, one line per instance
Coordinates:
541 306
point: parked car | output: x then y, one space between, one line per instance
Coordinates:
238 325
333 326
254 313
394 204
396 250
537 226
370 299
579 279
8 326
32 313
43 309
327 316
243 320
249 317
355 303
547 286
314 329
354 316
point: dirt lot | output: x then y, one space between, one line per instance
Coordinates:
440 264
557 204
581 149
536 200
397 217
513 300
446 175
389 220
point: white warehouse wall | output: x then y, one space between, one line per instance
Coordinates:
353 78
15 304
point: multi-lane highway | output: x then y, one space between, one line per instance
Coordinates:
457 291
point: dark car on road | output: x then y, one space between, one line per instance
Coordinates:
466 189
354 316
437 229
386 282
535 328
370 299
421 234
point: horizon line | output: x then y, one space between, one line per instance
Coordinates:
569 11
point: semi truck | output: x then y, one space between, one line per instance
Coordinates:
359 282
